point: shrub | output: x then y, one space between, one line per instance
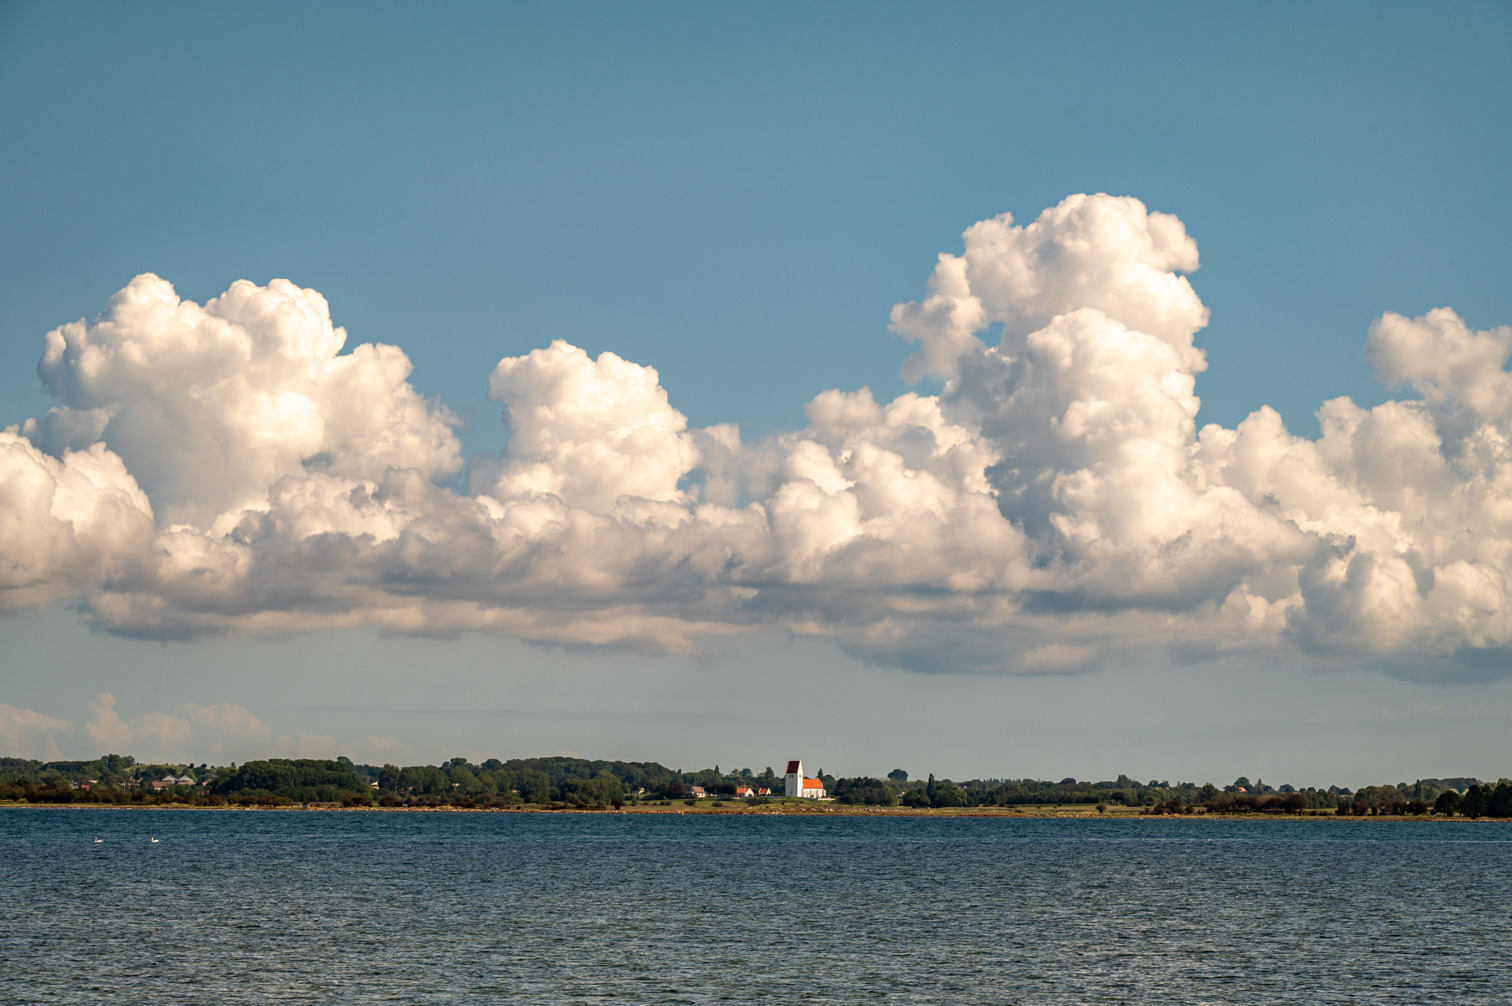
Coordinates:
862 790
51 795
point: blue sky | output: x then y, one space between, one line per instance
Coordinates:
737 197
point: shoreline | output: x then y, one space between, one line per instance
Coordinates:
1041 814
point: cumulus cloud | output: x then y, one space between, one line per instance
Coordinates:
25 733
209 406
228 467
187 731
65 520
585 431
1108 254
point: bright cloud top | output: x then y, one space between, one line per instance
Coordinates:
227 468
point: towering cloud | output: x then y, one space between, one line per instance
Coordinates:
586 431
229 468
209 406
66 522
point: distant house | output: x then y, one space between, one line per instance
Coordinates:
744 792
795 783
697 792
763 792
169 781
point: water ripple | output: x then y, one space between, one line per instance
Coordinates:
310 907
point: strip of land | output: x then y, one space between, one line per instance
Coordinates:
710 808
555 785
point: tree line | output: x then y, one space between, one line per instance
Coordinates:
568 782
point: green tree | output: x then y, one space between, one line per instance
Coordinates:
871 792
1499 802
945 793
302 779
463 780
592 791
534 786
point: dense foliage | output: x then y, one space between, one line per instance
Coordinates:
1486 801
575 781
306 780
579 782
872 792
111 769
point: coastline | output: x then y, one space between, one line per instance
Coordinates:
827 811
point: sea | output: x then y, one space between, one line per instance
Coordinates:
369 907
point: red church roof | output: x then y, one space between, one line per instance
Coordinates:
813 784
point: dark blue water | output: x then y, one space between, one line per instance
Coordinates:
311 907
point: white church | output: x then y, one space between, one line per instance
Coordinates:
794 784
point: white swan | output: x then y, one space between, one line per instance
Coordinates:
99 841
153 841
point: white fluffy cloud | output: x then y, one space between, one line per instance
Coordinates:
585 431
64 521
229 468
1100 252
25 733
211 405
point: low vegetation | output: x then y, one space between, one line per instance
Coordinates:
565 783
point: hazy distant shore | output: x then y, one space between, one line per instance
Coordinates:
780 810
